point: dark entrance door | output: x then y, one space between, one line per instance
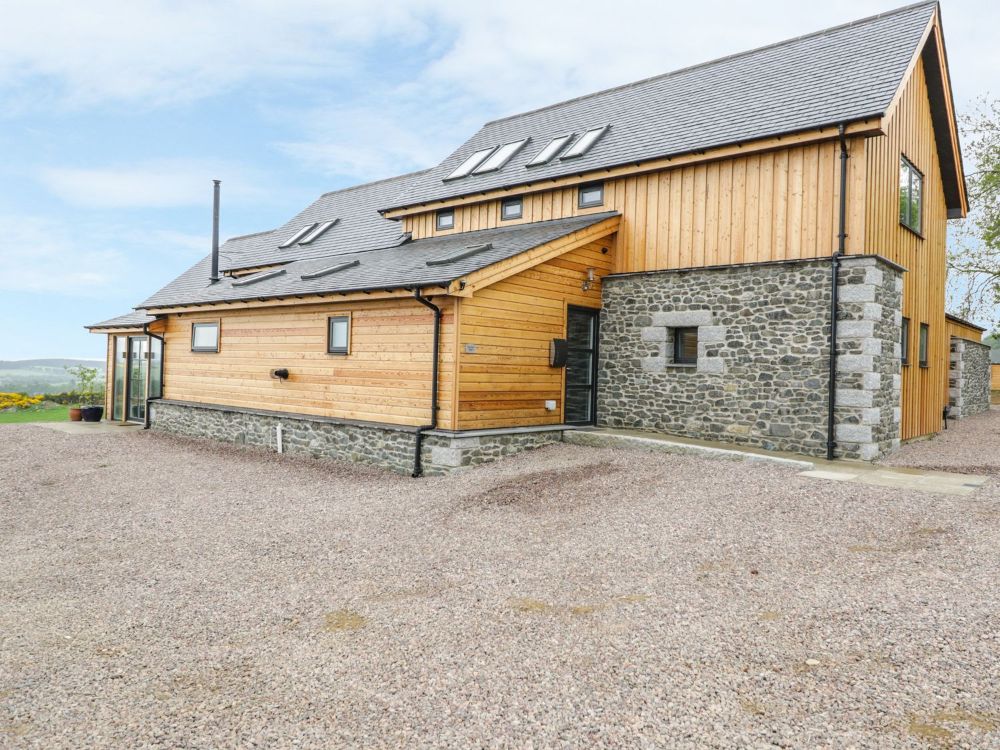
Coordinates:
581 365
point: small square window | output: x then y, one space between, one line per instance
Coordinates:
591 195
511 208
338 334
924 331
911 188
205 337
685 346
904 341
446 219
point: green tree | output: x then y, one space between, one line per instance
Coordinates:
974 260
86 378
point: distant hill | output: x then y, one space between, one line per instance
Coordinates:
42 375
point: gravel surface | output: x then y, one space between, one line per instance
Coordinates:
970 445
156 592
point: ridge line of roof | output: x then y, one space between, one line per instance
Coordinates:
374 182
724 58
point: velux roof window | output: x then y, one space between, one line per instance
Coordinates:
500 157
309 233
585 142
471 163
548 153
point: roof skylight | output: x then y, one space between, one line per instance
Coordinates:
297 236
330 269
471 163
500 157
548 153
317 232
585 142
258 277
461 255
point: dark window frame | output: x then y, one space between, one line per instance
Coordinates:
581 203
217 324
679 357
924 344
444 212
516 200
905 220
904 343
330 348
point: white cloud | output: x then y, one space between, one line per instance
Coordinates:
157 52
163 183
88 260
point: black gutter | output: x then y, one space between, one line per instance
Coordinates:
831 405
149 364
418 468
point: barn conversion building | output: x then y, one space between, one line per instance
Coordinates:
751 250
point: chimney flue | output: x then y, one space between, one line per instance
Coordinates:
215 232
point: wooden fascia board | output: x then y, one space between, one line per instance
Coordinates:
468 285
869 126
911 66
934 29
312 299
949 103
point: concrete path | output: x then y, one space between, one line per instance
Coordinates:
88 428
938 482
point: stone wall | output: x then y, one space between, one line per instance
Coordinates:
968 378
385 446
762 371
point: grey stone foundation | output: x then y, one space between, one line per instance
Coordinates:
762 370
968 378
385 446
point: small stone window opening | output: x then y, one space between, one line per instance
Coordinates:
686 346
904 342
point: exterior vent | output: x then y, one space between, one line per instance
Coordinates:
466 253
330 269
259 277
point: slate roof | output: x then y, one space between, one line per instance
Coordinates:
136 318
842 74
394 267
359 227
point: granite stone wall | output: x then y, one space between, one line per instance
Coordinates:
762 371
387 446
968 378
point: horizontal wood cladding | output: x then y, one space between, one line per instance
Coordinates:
507 379
962 331
385 378
910 133
775 205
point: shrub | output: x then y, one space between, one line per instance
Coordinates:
19 401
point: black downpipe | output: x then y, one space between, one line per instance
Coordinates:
418 468
163 349
831 406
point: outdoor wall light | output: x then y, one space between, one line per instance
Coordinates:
280 374
589 281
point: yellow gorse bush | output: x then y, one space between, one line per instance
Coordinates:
18 400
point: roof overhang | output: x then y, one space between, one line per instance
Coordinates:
872 125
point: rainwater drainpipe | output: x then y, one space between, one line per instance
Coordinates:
831 406
149 371
418 468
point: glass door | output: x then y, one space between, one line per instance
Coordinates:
138 361
581 365
120 364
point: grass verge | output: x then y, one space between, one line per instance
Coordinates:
21 416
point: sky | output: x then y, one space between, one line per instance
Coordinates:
116 116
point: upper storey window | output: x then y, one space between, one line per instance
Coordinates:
911 195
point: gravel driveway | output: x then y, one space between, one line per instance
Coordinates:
156 592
